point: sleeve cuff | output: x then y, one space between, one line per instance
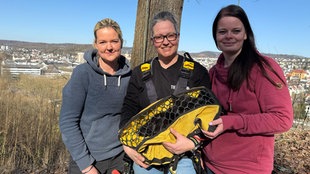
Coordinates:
232 122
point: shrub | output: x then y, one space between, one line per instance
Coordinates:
292 152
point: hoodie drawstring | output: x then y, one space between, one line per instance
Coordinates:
105 80
230 100
119 81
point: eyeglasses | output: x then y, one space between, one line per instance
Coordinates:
169 37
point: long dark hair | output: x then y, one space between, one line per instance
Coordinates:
249 56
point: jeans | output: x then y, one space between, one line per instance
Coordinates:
185 166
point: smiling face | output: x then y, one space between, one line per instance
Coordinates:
108 44
169 45
230 35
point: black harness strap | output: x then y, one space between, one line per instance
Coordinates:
146 70
186 71
181 86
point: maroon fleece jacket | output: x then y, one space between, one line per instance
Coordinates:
255 113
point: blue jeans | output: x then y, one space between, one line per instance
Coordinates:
185 166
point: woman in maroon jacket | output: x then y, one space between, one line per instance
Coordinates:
252 88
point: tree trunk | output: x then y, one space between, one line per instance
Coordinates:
142 46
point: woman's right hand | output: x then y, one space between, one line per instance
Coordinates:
135 156
90 170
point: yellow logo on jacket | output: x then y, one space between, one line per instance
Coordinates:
145 67
188 65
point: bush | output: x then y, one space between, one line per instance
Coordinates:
292 152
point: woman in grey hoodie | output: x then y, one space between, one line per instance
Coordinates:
92 101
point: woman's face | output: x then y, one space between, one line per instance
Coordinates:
230 35
108 44
164 30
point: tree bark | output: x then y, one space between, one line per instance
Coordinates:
142 46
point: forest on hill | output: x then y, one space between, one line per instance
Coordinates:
71 48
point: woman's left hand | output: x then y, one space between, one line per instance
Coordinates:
219 129
181 145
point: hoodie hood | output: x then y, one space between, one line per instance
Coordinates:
91 58
124 66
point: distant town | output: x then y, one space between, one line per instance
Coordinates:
59 59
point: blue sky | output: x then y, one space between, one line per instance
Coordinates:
280 26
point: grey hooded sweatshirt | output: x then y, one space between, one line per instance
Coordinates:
91 109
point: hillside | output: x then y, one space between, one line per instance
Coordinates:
70 48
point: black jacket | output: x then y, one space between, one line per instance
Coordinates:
164 81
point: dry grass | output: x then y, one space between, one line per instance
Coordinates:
30 141
29 135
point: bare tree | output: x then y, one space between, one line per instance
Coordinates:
142 45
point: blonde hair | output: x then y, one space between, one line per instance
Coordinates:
105 23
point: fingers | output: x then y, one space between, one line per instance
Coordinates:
181 145
175 133
208 134
217 131
139 159
135 156
216 122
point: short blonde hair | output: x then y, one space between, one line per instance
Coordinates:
105 23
